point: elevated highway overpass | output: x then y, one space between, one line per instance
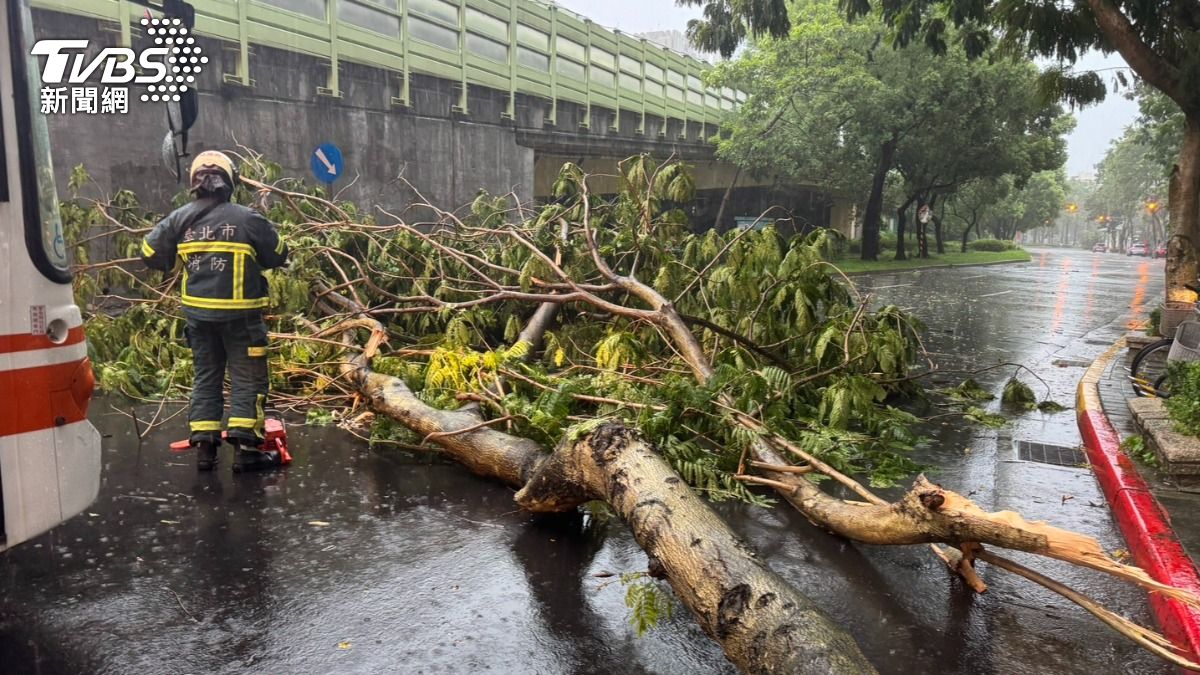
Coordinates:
451 96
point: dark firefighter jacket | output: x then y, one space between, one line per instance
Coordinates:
224 248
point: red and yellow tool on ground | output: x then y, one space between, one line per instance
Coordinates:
274 445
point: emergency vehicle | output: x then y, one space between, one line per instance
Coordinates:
49 452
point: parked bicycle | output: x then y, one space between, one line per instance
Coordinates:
1148 372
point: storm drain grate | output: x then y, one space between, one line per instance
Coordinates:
1059 455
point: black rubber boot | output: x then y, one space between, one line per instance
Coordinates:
206 456
250 458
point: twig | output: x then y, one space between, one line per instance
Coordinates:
163 402
180 601
781 468
744 341
473 427
1148 639
137 428
759 480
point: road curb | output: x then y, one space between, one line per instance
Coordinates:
1146 526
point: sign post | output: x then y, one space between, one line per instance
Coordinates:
924 214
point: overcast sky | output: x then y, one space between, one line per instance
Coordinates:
1097 126
634 16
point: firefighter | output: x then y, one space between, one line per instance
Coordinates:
223 248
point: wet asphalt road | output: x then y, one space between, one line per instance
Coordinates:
352 561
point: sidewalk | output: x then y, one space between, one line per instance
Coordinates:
1161 523
1182 505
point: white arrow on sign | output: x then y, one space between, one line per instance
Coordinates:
328 164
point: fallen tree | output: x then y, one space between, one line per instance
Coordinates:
762 623
745 362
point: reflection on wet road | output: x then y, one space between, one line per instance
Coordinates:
357 562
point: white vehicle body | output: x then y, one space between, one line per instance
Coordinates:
49 452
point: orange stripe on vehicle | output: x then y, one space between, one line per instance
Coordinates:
44 397
25 342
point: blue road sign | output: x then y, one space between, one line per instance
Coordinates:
327 163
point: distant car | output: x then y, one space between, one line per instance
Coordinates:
1099 248
1160 251
1137 249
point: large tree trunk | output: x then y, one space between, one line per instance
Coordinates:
535 329
1184 203
762 623
746 621
873 216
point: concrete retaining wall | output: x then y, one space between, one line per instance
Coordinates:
446 155
284 118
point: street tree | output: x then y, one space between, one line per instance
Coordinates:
973 202
1129 184
675 365
1027 207
1160 40
988 124
829 105
1080 227
1160 128
822 107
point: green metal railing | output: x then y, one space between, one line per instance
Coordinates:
516 46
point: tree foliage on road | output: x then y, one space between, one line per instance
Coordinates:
798 346
829 104
656 361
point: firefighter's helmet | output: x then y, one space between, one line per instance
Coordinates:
211 159
213 174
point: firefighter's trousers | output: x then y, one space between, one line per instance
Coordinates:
239 344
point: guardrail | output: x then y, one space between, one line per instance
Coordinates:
517 46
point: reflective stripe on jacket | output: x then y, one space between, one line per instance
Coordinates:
223 247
